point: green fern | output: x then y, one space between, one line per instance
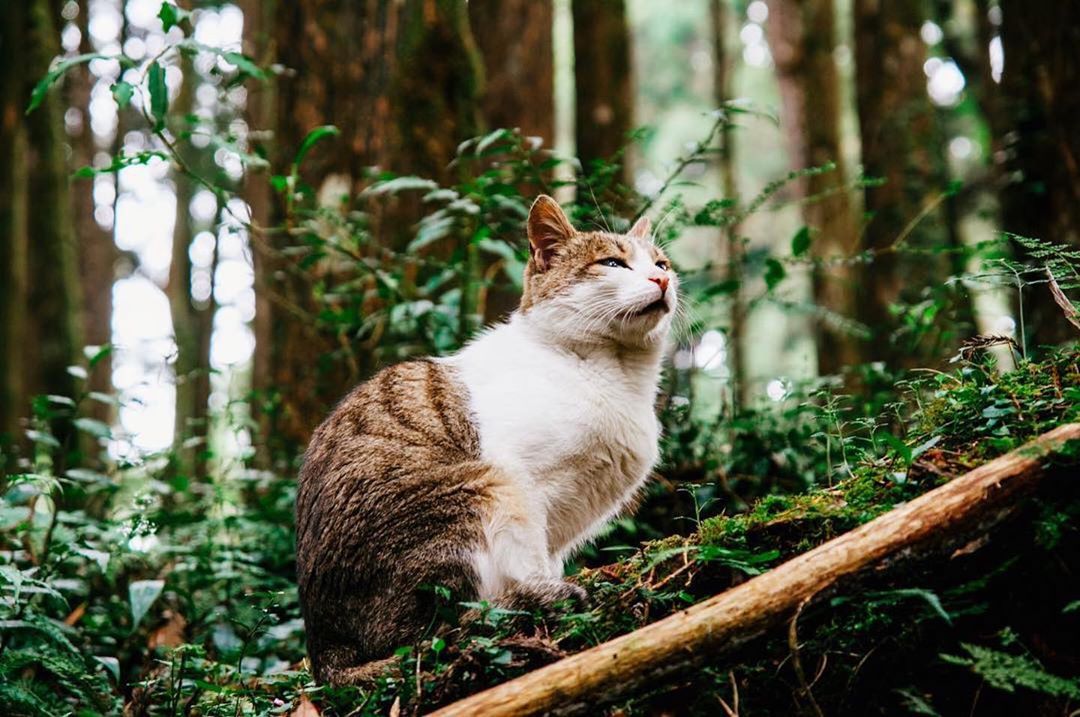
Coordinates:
1007 671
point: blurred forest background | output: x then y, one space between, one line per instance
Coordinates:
215 218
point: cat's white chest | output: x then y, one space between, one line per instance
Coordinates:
578 433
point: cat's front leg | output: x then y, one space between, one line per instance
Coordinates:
515 567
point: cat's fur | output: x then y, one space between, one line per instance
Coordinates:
481 472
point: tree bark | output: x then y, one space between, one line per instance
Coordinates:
972 503
258 44
401 82
436 92
55 294
97 251
1041 139
802 39
190 321
515 40
603 86
734 259
13 218
901 145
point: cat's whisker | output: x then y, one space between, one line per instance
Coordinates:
660 224
596 203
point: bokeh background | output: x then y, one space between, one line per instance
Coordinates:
218 217
921 95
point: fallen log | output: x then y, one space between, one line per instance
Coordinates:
976 501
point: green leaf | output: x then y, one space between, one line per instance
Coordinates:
94 354
800 242
41 89
171 16
774 273
924 447
721 288
159 95
244 64
279 183
42 438
313 137
898 446
93 427
100 557
141 595
106 398
111 664
85 475
121 161
122 93
400 184
497 247
431 232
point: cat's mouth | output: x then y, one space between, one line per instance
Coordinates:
658 306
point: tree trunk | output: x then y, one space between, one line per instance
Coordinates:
515 39
191 322
400 80
13 218
734 254
973 503
97 251
258 43
901 145
603 87
436 90
802 38
1041 139
55 294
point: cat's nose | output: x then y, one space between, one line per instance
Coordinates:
660 280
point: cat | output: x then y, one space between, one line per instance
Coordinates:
482 471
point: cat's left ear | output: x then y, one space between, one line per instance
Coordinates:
640 229
548 227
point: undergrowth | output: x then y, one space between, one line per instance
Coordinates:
184 603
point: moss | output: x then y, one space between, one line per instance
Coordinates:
871 647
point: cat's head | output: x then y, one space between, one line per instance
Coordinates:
597 287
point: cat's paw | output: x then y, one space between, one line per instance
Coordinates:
571 594
549 596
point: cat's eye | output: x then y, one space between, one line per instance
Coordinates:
663 265
613 263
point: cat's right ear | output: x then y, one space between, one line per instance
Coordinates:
548 226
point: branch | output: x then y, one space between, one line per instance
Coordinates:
977 500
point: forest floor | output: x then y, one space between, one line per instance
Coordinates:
192 610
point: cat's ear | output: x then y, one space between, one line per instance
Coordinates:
548 226
640 229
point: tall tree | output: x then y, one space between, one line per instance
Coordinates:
802 36
258 44
720 20
13 217
515 40
97 251
901 146
400 80
191 320
1041 137
603 86
55 294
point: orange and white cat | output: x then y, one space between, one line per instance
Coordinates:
484 470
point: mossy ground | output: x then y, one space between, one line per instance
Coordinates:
918 640
988 629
